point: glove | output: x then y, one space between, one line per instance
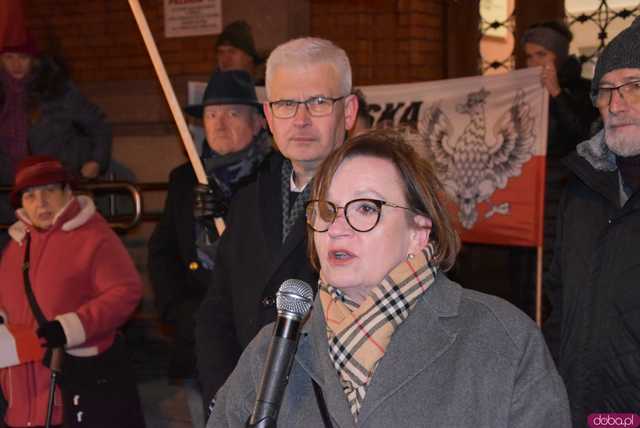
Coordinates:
52 334
208 202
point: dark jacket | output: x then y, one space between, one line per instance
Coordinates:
460 359
570 113
251 264
570 117
72 129
179 280
63 123
594 286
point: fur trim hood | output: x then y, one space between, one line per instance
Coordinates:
18 230
596 152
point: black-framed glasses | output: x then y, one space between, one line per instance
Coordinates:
630 92
316 106
361 214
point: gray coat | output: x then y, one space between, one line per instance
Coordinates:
461 359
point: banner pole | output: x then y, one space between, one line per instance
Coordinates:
542 192
539 253
170 95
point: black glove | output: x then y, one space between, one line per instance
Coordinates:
53 334
209 202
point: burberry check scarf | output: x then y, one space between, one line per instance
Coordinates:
359 334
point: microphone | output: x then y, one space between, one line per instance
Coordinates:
293 301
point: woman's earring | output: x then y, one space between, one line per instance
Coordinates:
410 256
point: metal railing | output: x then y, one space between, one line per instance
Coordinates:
122 215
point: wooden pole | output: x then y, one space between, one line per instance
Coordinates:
170 95
539 253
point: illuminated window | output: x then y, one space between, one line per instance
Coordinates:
594 23
497 26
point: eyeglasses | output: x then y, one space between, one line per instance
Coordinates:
316 106
630 92
361 214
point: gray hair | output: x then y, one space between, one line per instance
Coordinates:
308 51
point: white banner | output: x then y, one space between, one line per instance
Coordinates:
487 135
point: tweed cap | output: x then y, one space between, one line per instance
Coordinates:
621 52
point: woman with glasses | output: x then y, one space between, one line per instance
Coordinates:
391 341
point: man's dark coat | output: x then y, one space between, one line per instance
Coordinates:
251 264
594 283
178 279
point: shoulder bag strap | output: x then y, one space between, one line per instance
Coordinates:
35 308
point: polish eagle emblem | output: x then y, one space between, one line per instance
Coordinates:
474 165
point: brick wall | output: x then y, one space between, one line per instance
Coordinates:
101 42
388 41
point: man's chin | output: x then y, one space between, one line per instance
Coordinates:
623 145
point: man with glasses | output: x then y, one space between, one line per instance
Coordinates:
308 83
595 275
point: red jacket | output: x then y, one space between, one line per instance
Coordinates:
81 275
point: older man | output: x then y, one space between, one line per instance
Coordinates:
68 277
595 274
182 247
309 109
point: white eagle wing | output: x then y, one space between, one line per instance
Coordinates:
436 131
515 141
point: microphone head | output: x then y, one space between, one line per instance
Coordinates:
294 299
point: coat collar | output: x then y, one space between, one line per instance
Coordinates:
76 213
419 341
596 152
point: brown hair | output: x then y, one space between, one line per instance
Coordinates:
423 190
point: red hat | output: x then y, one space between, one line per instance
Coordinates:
25 46
37 171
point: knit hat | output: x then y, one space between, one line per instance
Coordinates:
226 87
26 46
553 36
37 171
238 35
621 52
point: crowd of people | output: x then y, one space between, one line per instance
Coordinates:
308 190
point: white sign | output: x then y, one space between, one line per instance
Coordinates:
183 18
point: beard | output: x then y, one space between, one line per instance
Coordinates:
619 140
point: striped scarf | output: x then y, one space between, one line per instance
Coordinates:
358 335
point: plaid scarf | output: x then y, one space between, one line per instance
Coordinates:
359 334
